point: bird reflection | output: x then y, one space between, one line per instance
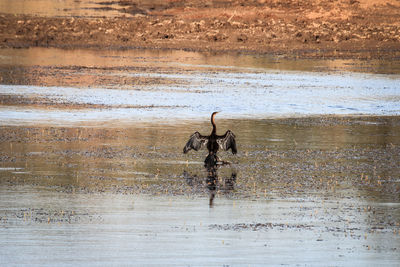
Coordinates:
213 182
214 143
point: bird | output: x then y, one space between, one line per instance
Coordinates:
213 142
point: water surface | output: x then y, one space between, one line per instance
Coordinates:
92 170
298 192
63 8
87 87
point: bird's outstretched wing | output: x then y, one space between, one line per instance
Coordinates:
227 141
196 141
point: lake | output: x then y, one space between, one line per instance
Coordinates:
92 170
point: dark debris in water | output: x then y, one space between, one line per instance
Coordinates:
45 215
335 120
59 103
260 226
71 76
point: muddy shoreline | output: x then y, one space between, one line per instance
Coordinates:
306 29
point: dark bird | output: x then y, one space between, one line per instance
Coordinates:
213 142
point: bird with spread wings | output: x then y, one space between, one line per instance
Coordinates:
213 142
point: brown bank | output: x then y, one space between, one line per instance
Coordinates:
333 29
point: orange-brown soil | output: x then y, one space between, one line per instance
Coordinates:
305 28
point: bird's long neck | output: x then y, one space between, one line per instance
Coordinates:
214 130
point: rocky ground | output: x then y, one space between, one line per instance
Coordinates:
336 29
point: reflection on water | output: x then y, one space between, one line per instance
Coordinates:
214 183
141 157
298 191
89 87
64 8
301 190
163 59
81 8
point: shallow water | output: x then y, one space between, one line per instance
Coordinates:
92 170
127 230
63 8
298 192
129 86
